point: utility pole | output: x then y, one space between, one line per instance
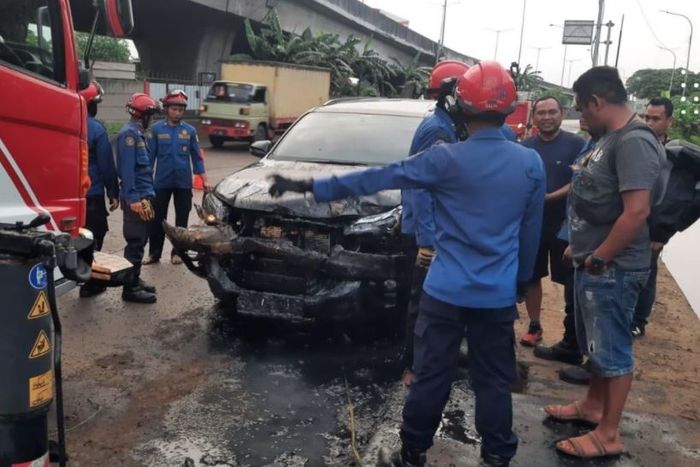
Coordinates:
619 41
599 24
608 25
442 31
690 42
522 30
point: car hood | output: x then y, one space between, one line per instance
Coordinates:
248 189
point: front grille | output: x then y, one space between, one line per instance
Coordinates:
305 237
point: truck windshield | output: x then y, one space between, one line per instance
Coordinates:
230 92
348 138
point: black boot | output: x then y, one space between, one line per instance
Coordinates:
402 458
580 374
133 292
90 289
493 460
146 286
560 352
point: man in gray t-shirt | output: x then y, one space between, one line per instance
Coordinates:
624 160
611 199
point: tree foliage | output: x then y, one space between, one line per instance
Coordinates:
648 83
105 49
356 68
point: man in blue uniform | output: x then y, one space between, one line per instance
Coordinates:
417 221
103 179
558 149
175 152
488 194
136 175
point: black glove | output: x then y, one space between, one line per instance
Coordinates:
280 185
521 292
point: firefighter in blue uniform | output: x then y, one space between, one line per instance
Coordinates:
103 179
489 195
175 152
136 175
417 223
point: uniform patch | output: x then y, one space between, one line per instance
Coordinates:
184 134
130 141
163 136
141 144
184 148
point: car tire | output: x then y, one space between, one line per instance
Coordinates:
260 133
216 141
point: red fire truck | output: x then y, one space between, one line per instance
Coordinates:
43 126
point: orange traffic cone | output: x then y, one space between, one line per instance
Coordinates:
197 182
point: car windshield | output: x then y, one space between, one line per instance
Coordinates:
349 138
230 92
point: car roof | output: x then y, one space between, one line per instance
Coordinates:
378 106
258 85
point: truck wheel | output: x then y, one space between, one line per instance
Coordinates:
216 141
260 133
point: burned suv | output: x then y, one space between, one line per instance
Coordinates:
297 259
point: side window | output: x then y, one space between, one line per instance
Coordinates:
259 95
31 39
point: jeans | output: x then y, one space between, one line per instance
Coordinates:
604 306
647 295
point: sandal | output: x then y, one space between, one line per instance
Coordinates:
556 412
575 448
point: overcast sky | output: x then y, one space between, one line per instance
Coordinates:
470 24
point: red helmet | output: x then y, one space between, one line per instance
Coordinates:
486 87
140 104
92 93
176 97
443 71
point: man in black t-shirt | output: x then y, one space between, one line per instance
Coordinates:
558 150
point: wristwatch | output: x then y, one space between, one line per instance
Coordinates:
597 264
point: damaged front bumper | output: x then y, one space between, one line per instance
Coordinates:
334 286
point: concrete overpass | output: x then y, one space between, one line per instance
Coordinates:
179 38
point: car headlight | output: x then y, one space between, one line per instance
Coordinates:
205 121
383 223
213 206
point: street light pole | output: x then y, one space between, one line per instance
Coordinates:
570 62
498 34
537 62
442 32
690 42
673 71
522 30
563 62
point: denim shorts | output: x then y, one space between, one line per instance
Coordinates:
604 307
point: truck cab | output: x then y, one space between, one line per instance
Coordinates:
234 111
43 117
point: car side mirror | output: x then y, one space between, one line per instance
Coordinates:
119 16
84 78
260 148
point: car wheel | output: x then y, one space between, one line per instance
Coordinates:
216 141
